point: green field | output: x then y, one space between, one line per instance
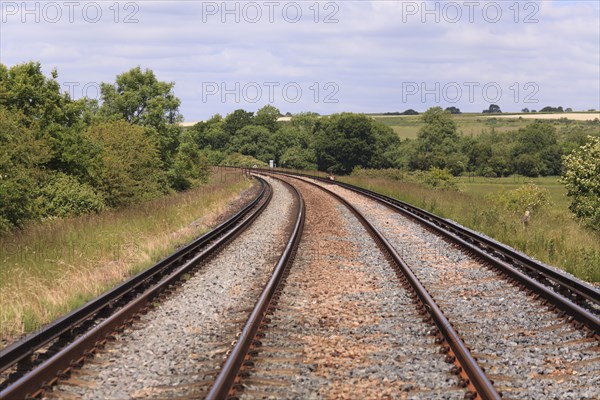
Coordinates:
407 126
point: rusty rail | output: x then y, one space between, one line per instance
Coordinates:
512 263
476 377
229 372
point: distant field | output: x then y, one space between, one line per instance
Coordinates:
407 126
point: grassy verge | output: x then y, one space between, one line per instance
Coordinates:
552 236
49 269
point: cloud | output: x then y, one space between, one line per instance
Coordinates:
351 55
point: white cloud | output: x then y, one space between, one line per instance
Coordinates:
371 53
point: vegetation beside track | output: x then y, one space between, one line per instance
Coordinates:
551 235
48 269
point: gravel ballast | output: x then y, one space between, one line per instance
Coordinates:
528 350
344 327
176 348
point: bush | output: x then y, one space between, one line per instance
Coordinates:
437 178
64 196
527 197
240 160
582 180
126 168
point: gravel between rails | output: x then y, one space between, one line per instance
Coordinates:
530 351
175 349
344 327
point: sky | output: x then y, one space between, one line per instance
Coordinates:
325 57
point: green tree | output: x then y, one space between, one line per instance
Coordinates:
254 141
581 177
191 166
21 160
63 195
126 167
39 105
267 117
344 141
237 120
536 151
140 98
439 144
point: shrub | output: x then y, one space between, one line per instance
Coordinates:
527 197
582 180
240 160
64 196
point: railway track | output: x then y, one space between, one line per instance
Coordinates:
530 344
362 297
33 364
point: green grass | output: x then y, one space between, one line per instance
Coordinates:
552 236
48 269
407 127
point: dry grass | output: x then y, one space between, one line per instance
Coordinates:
51 268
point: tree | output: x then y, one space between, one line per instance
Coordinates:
438 143
581 178
493 109
343 142
237 120
255 141
21 173
140 98
267 117
386 142
190 167
525 110
536 151
126 167
410 111
558 109
453 110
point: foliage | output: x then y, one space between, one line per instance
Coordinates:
139 98
64 157
240 160
345 141
21 161
438 143
493 109
190 167
528 197
435 178
126 168
64 196
582 180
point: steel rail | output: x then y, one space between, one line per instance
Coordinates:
582 289
226 379
477 378
41 376
468 239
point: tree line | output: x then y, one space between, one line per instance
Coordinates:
62 157
341 142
